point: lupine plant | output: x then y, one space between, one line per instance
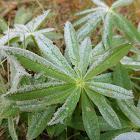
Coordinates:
110 17
91 90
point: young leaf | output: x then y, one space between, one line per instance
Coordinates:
126 26
84 52
12 129
37 91
107 31
67 108
107 60
38 21
37 121
110 90
120 3
121 78
72 45
36 63
90 119
105 109
100 3
52 53
53 36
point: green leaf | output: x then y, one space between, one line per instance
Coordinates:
90 119
22 17
118 40
110 90
88 17
112 134
84 52
38 21
3 24
96 52
121 78
53 54
50 130
37 121
88 28
105 109
53 36
12 129
107 31
59 128
126 26
37 63
37 91
104 78
130 110
107 60
130 63
72 45
120 3
100 3
67 108
9 109
2 86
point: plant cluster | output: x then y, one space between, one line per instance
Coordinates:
90 89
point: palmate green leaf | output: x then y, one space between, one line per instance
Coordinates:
37 121
37 91
104 78
120 3
121 78
107 60
112 134
107 31
90 119
84 51
123 24
88 27
110 90
36 63
38 21
3 24
67 108
22 17
105 109
12 129
51 52
72 45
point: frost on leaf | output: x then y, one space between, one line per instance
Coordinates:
53 54
38 21
67 108
111 90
